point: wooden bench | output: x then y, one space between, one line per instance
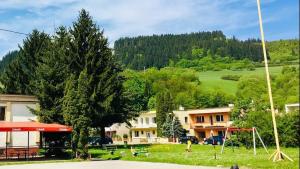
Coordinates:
111 149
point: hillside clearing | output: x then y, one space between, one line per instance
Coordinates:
211 80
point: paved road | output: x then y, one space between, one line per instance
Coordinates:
104 165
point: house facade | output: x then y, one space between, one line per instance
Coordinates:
205 123
202 123
144 128
16 108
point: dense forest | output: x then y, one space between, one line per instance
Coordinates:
10 56
159 50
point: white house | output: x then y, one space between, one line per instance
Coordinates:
144 128
16 108
292 107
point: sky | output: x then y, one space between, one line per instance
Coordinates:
129 18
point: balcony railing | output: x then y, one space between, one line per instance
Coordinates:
208 124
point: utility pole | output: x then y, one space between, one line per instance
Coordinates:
277 155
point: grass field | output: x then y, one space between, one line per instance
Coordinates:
212 79
203 155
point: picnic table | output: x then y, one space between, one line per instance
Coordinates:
139 151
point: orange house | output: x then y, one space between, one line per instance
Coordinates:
205 123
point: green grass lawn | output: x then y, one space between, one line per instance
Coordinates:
212 79
203 155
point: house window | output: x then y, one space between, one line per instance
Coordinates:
142 132
200 119
142 120
219 118
186 120
2 113
147 120
154 120
153 132
136 133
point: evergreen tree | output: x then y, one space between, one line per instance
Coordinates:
172 127
50 79
19 75
164 106
7 59
94 96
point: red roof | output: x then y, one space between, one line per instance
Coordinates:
33 126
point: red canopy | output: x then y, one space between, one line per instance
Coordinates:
32 126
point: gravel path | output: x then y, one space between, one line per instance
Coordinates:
105 165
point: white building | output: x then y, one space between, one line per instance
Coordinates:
143 128
292 107
16 108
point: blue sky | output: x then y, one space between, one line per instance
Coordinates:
121 18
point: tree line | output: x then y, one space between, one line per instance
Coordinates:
75 78
159 50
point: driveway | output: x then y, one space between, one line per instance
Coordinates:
105 165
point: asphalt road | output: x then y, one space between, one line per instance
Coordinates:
105 165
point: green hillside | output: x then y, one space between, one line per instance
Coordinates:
212 79
283 50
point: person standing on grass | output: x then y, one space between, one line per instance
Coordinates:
189 145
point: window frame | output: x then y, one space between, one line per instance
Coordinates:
186 119
136 134
202 119
219 118
2 110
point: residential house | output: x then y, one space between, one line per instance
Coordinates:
144 128
205 123
292 107
117 132
202 123
16 108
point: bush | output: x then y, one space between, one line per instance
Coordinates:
125 136
288 129
231 77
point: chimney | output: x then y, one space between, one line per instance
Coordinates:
181 108
231 105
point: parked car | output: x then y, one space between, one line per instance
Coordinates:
184 139
214 140
96 141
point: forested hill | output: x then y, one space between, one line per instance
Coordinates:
158 50
10 56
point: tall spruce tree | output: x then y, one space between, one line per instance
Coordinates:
164 107
94 96
19 75
51 74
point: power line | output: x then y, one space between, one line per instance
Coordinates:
11 31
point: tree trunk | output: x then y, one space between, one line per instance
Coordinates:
102 132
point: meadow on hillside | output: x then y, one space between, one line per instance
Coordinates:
212 79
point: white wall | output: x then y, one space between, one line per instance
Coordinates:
21 113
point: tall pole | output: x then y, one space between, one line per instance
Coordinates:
278 154
254 143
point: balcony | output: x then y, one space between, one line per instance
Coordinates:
209 125
144 126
